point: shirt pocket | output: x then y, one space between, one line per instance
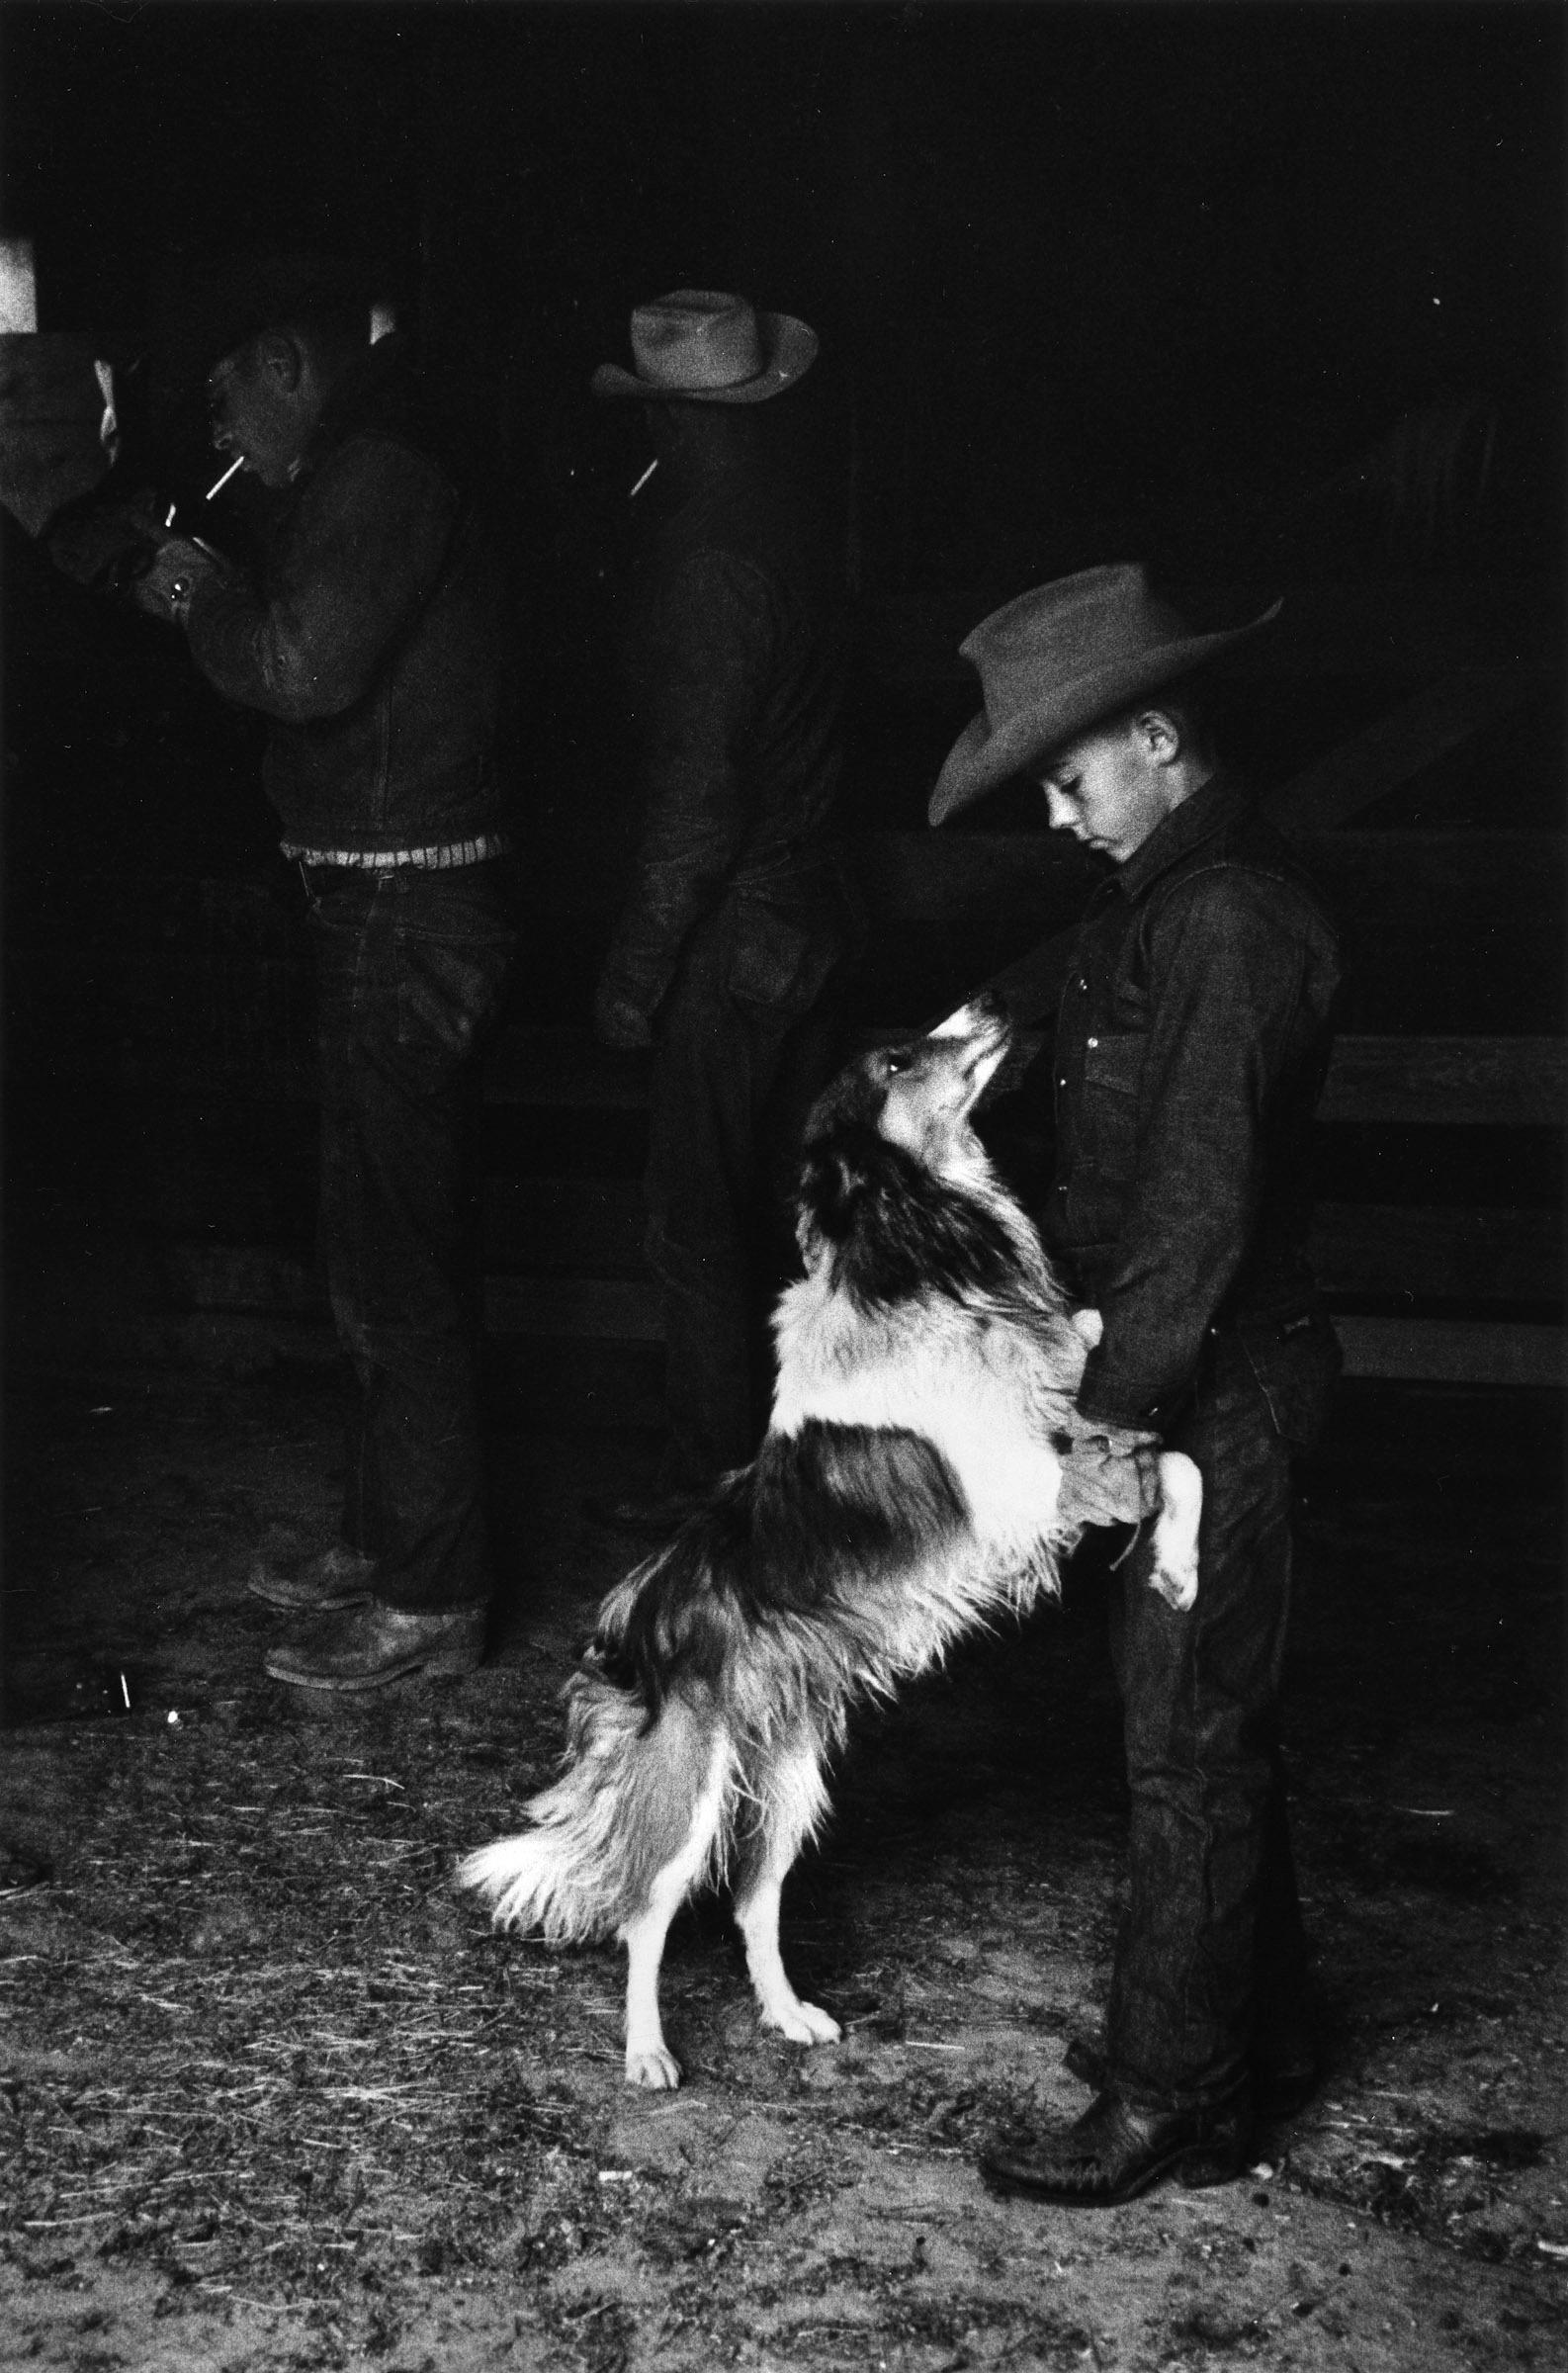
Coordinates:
1112 1077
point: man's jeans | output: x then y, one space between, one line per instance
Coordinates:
735 1076
411 968
1210 1976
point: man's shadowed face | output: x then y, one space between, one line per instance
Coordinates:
261 409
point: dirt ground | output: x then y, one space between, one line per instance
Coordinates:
274 2096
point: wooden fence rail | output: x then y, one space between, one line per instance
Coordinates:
1476 1289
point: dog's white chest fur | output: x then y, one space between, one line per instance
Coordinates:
969 1384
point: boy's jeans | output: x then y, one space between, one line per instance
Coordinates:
1209 1977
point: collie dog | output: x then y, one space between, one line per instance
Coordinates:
907 1490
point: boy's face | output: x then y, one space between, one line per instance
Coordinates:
1108 788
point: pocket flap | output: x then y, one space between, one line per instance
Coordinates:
1114 1060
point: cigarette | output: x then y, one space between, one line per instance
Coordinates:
169 521
647 474
237 464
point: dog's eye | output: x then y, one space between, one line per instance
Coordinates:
897 1062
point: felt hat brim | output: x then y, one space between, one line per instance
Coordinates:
982 758
789 345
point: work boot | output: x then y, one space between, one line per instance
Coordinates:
1113 2153
312 1582
1278 2092
365 1647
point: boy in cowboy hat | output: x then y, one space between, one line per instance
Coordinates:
737 918
1192 1038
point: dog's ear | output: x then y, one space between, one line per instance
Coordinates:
832 1189
845 1099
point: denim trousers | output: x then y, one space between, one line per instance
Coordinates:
1209 1979
734 1079
411 968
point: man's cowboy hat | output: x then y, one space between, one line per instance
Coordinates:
205 303
700 347
1060 659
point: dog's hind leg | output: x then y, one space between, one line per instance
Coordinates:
649 2061
1173 1572
796 1801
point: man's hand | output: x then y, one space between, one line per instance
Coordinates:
617 1023
178 567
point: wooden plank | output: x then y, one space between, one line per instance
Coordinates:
973 877
1501 1083
593 1228
1352 626
1505 1083
240 1280
959 877
568 1226
1425 1351
1401 866
560 1066
1435 1252
1397 747
1435 1350
243 1277
575 1234
603 1309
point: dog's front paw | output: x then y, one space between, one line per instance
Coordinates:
657 2072
1174 1561
803 2023
1177 1584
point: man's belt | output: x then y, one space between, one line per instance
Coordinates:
441 857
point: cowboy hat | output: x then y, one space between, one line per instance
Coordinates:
700 347
206 304
1063 659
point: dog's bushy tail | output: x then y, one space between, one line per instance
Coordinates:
634 1779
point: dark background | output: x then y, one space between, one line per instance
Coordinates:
1088 258
1207 285
1091 282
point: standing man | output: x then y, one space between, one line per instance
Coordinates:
374 639
737 917
1191 1041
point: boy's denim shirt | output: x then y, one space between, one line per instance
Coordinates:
1190 1048
375 642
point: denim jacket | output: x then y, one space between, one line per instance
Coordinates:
375 641
1191 1044
734 660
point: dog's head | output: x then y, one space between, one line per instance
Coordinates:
892 1161
921 1092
